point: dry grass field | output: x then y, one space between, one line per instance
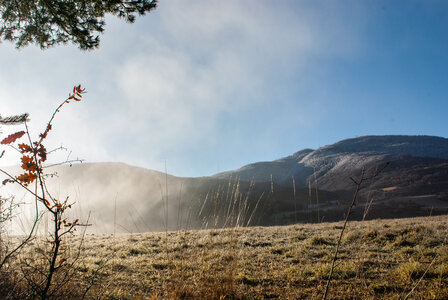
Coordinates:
380 259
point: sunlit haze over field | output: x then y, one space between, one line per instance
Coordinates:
209 86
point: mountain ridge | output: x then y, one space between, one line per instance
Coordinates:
353 151
306 186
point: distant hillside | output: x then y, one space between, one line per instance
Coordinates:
124 198
348 154
418 168
308 186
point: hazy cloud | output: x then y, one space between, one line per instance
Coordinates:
181 79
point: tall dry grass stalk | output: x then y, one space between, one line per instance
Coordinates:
316 186
222 212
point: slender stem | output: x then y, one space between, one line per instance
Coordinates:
355 196
339 240
421 278
55 252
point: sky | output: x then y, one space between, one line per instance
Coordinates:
207 86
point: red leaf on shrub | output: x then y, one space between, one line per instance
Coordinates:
24 148
27 178
12 138
42 153
27 159
28 164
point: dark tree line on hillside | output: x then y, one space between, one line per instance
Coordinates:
47 23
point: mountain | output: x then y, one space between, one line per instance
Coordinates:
115 197
308 186
417 174
346 155
331 166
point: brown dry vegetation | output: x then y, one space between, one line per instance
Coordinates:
380 259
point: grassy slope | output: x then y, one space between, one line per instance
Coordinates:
379 259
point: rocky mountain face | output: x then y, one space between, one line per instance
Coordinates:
308 186
414 182
332 166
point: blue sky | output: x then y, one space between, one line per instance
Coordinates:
214 85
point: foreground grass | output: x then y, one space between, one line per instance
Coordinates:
381 259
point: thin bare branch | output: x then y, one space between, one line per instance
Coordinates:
355 196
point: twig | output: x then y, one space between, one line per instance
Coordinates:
31 232
355 196
421 278
64 163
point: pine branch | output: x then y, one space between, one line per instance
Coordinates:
14 120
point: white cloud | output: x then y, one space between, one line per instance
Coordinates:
163 85
210 58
